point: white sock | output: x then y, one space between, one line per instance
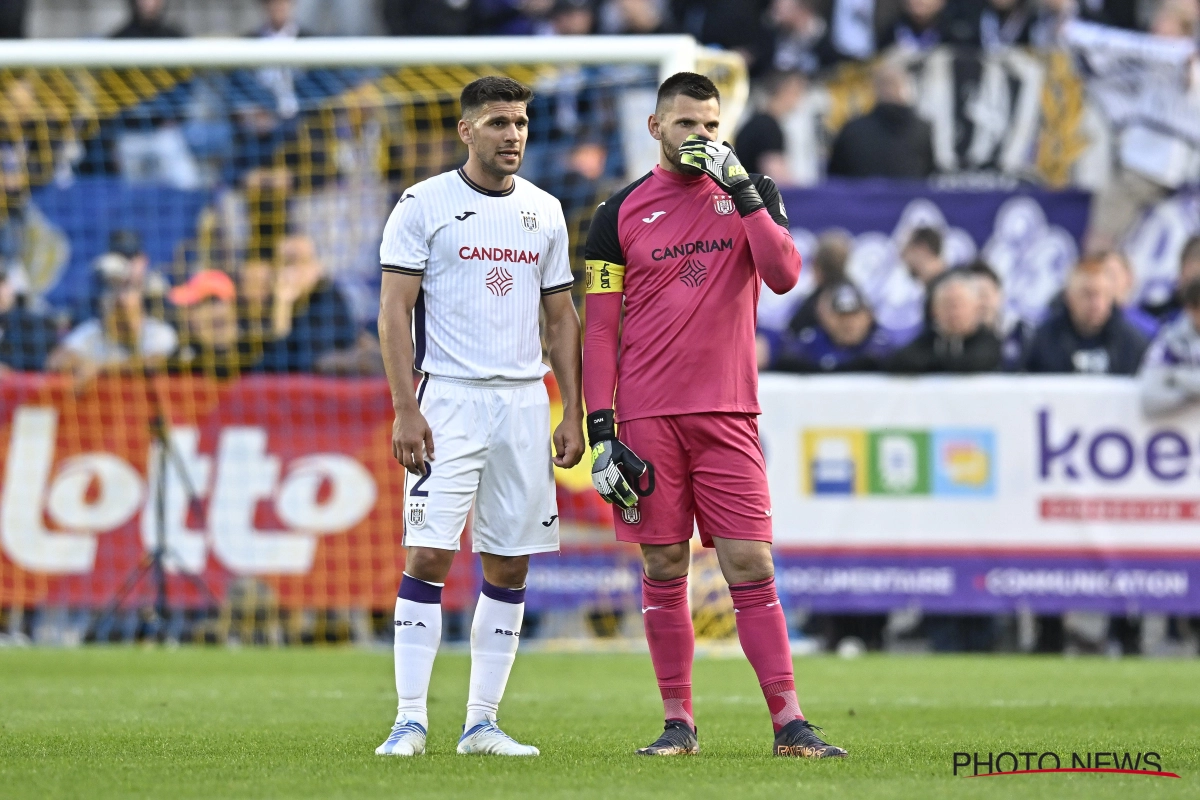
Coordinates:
418 634
495 633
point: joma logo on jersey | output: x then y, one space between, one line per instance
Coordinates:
498 254
690 248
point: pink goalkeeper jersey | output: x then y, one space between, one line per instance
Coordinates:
677 250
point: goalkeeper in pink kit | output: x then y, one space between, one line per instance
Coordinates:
674 265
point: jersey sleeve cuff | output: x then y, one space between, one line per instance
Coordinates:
562 287
401 270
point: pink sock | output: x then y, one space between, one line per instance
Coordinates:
762 631
672 641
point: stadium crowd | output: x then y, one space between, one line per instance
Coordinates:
272 298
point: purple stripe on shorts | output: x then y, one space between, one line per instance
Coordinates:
514 596
419 591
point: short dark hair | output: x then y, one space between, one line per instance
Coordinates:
688 84
1191 293
929 238
1191 250
492 89
981 269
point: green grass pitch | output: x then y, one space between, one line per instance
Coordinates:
184 723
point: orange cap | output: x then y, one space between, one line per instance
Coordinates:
205 284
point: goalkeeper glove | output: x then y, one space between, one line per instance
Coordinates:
719 162
616 470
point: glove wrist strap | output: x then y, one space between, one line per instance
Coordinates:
601 426
746 199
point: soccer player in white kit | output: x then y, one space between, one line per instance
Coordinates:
468 259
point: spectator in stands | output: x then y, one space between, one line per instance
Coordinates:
206 310
956 339
845 337
1087 333
26 338
1013 332
829 268
1189 269
309 315
761 143
123 338
511 17
1005 23
280 20
569 18
730 24
921 26
427 17
634 16
1122 275
280 23
147 20
1176 19
1170 372
922 254
802 37
890 141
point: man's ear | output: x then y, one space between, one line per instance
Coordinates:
464 131
655 128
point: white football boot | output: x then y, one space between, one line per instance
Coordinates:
486 738
407 739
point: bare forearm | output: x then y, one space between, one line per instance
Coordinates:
566 359
395 341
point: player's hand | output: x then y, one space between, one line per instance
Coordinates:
568 443
719 162
412 441
616 470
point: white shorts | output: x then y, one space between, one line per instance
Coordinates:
491 444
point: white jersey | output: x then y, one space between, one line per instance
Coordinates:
486 260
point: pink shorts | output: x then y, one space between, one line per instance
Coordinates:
710 474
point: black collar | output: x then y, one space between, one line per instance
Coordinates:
462 174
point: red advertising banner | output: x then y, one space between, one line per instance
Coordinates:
295 487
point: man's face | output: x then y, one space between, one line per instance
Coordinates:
678 119
496 135
846 330
923 10
1189 271
923 264
150 9
957 310
279 12
1089 300
213 324
789 14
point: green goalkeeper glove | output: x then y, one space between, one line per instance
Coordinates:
616 470
719 162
